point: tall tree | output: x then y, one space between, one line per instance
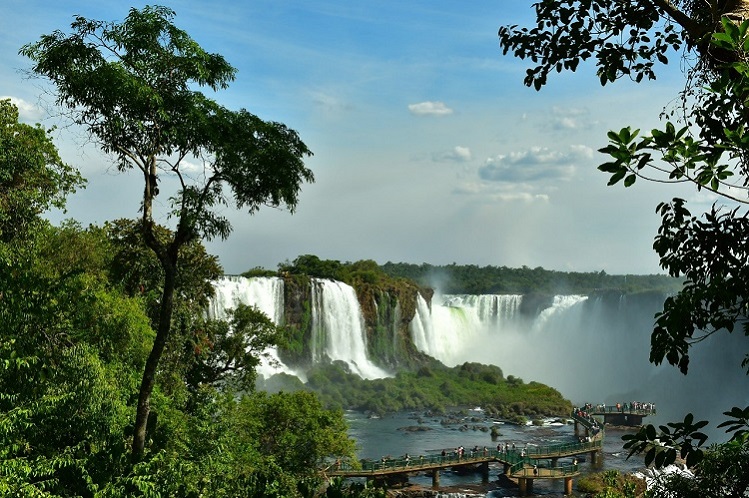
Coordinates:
33 177
131 85
707 145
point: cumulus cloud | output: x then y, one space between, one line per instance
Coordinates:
458 154
534 164
569 118
191 167
26 110
430 108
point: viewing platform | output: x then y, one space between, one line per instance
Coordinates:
621 414
521 464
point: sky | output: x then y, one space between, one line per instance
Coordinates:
427 146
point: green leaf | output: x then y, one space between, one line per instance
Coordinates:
616 177
649 457
650 432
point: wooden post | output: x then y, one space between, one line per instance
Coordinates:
522 486
436 478
485 472
568 486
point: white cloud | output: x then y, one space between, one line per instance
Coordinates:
534 164
527 197
430 108
569 118
26 110
458 154
191 167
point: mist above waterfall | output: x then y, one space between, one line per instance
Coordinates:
592 349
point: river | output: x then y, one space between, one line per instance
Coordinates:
388 436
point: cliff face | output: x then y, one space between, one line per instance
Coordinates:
388 311
387 308
297 323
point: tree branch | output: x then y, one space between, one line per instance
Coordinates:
694 29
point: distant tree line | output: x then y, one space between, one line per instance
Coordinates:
473 279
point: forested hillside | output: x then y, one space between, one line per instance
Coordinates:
472 279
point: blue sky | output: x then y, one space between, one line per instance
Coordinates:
427 146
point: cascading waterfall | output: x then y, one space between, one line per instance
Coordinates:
266 294
563 308
338 328
592 349
589 348
457 320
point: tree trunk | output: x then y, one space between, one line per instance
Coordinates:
737 10
149 373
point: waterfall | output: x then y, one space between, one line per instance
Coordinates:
591 349
264 293
421 328
338 328
458 320
337 321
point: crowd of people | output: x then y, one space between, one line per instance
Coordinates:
584 413
460 452
631 407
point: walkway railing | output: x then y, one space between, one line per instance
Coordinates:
519 460
545 472
613 409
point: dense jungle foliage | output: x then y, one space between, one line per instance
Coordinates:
435 388
473 279
75 329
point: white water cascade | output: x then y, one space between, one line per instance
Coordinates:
338 325
338 328
264 293
456 321
590 349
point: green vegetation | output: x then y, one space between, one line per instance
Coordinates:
611 484
132 86
91 319
357 274
472 279
73 342
435 388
